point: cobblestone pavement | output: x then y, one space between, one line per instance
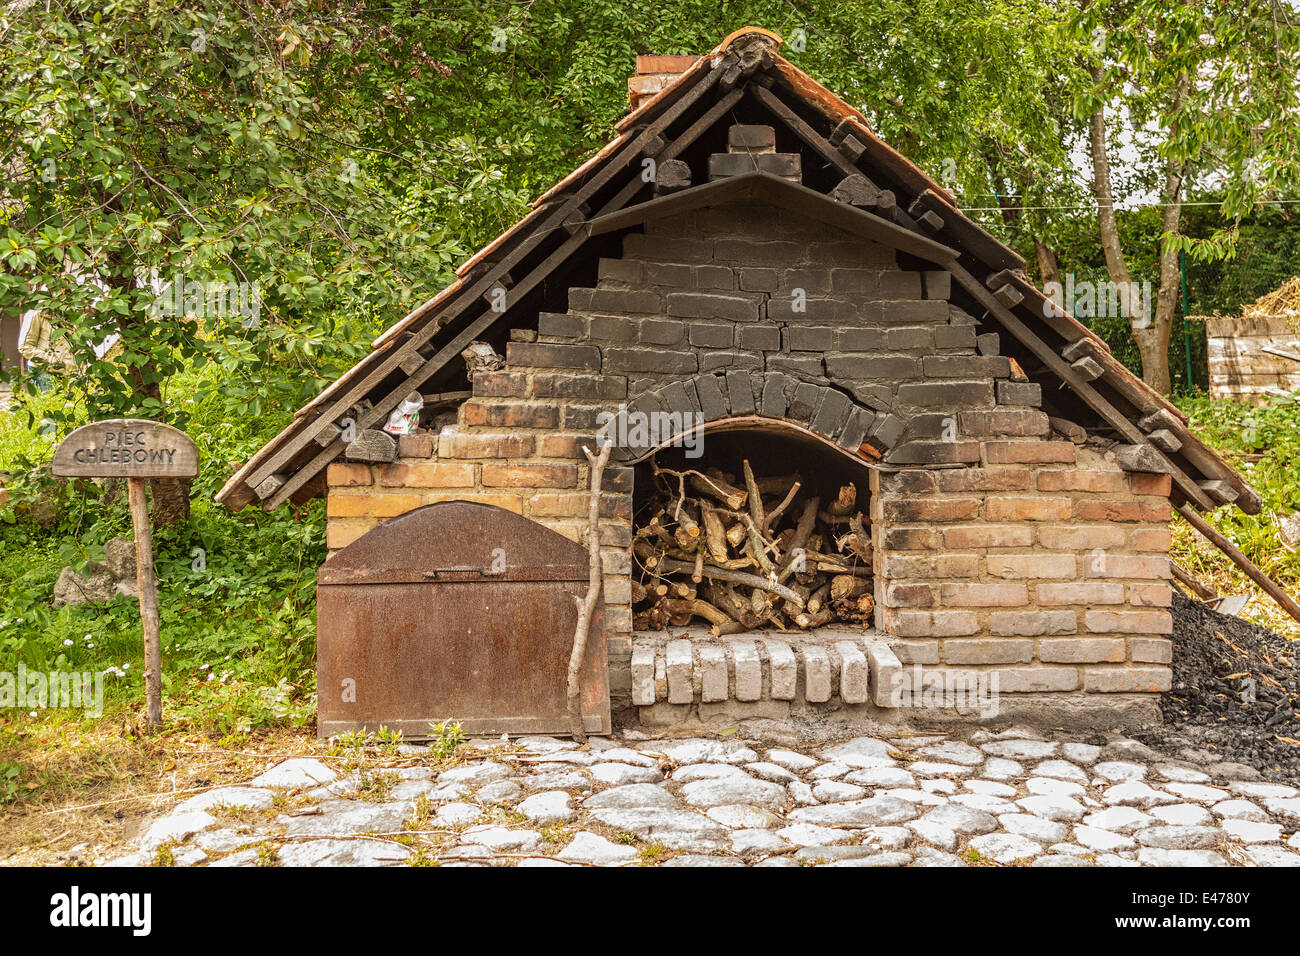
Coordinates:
1013 798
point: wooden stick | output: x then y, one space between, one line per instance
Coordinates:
587 605
148 588
735 577
1194 584
1270 586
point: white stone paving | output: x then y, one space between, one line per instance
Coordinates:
1014 798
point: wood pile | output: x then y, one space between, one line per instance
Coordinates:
742 553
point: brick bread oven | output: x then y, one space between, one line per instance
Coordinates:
786 290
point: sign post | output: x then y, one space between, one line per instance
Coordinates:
135 449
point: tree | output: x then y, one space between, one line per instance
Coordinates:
1210 90
165 159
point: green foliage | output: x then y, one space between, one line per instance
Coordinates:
1270 436
444 738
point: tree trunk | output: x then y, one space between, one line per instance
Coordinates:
1167 299
1048 270
1106 221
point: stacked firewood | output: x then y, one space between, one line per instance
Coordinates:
743 553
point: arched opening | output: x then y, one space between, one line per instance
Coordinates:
705 557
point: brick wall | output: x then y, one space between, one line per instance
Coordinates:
997 547
1045 561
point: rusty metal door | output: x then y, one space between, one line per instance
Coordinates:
456 611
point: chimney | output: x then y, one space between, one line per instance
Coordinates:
654 73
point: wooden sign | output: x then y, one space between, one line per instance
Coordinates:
127 448
136 449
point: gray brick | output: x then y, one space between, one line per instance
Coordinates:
854 432
900 285
705 305
670 274
620 270
663 332
615 328
964 366
886 430
870 366
904 339
625 300
650 360
766 338
662 249
832 414
561 385
680 397
950 395
760 280
954 336
915 312
804 402
773 399
860 340
937 285
715 277
740 392
803 364
718 335
544 355
801 338
752 253
712 361
1019 393
713 403
780 308
988 344
935 453
648 403
749 138
856 280
562 324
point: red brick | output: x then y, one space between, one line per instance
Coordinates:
1122 510
1102 481
454 445
933 623
1027 509
1105 565
1080 592
501 385
1128 622
371 505
521 415
1150 595
984 595
1081 650
982 479
529 475
945 565
417 446
913 539
1033 623
1151 650
564 446
988 536
347 476
1032 565
1020 422
1145 483
987 651
1120 679
340 534
1081 537
1151 539
441 474
908 595
931 509
1028 452
1029 680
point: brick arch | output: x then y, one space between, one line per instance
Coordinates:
717 401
